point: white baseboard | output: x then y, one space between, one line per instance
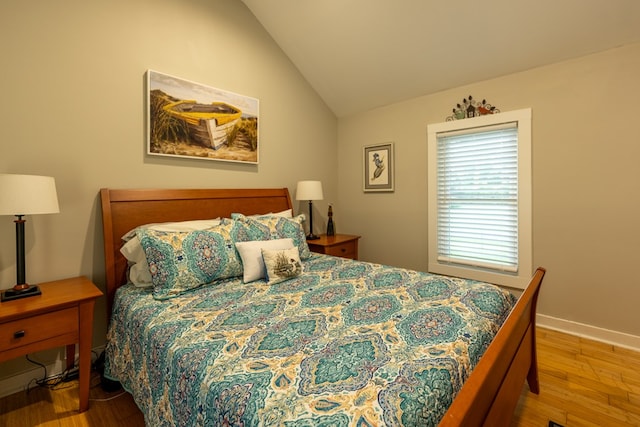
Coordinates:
591 332
21 381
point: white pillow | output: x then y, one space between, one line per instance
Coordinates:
287 213
139 273
196 224
251 255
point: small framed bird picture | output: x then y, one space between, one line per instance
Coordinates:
378 167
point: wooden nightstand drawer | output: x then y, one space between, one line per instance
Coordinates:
342 245
30 330
344 250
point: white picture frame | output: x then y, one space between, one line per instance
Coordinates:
191 120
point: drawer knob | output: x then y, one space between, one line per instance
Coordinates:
18 334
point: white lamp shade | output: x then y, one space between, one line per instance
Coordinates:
27 195
309 190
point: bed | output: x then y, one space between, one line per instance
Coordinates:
340 342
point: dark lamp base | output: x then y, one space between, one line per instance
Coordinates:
29 291
312 237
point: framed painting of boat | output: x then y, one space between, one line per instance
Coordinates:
378 167
188 119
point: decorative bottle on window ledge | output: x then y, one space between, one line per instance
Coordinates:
331 231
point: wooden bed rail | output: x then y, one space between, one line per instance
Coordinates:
491 393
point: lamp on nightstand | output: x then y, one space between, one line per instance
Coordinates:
22 195
310 190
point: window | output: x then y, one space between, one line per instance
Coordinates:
480 198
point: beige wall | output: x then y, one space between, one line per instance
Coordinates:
586 180
73 105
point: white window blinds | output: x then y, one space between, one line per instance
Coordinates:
477 197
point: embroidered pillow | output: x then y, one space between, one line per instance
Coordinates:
251 255
270 227
282 264
181 261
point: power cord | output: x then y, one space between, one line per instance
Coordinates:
52 382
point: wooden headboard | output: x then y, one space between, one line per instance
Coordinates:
123 210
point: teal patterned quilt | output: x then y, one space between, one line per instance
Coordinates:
347 343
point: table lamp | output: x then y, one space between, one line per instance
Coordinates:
22 195
310 190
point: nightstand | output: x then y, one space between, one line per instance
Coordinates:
61 316
342 245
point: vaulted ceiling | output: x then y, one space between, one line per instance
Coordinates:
362 54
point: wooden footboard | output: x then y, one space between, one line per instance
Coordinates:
491 393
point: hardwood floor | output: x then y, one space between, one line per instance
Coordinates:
582 382
59 408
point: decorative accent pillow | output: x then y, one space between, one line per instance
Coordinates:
270 227
180 261
251 254
139 273
282 264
